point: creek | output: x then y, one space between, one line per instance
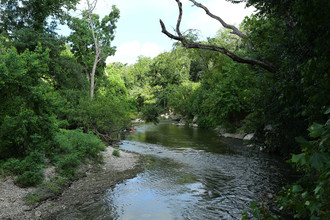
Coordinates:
191 173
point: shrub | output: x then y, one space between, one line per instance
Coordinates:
116 153
32 198
28 169
74 147
29 178
309 196
27 115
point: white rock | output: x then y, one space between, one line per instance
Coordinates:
195 119
233 135
268 128
37 213
26 208
248 137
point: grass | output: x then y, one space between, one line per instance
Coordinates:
32 198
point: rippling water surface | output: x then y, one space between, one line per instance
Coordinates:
191 174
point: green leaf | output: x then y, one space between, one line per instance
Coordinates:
304 195
317 160
296 188
299 158
318 190
305 145
315 130
327 111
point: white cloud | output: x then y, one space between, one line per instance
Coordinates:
129 51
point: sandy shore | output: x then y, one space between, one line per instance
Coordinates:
114 170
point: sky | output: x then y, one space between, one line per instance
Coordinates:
138 30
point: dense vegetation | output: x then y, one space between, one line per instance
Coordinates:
47 113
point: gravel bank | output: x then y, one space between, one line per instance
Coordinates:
114 170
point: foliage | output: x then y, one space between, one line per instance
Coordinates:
81 39
27 23
259 212
91 41
298 94
109 111
28 170
116 153
29 178
73 148
150 113
309 196
31 198
43 86
27 116
181 97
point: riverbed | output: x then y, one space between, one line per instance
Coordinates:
191 173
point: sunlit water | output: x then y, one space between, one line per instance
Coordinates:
192 174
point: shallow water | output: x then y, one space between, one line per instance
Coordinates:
191 174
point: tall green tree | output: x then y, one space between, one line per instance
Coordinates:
27 116
27 22
91 41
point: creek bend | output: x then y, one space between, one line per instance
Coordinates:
192 173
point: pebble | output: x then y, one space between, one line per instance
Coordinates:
37 213
26 208
269 195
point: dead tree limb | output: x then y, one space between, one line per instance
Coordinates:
179 37
223 23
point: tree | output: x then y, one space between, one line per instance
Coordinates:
27 22
91 40
27 116
191 44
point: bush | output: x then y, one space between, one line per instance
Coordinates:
150 113
85 145
32 198
27 115
75 147
116 153
28 169
309 196
29 178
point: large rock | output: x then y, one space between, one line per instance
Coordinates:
194 125
248 137
195 119
165 116
181 123
175 117
138 120
233 135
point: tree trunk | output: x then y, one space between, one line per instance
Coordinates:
91 7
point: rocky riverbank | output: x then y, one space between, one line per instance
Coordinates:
94 182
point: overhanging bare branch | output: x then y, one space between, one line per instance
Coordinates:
223 23
234 57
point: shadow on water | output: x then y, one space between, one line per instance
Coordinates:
191 174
